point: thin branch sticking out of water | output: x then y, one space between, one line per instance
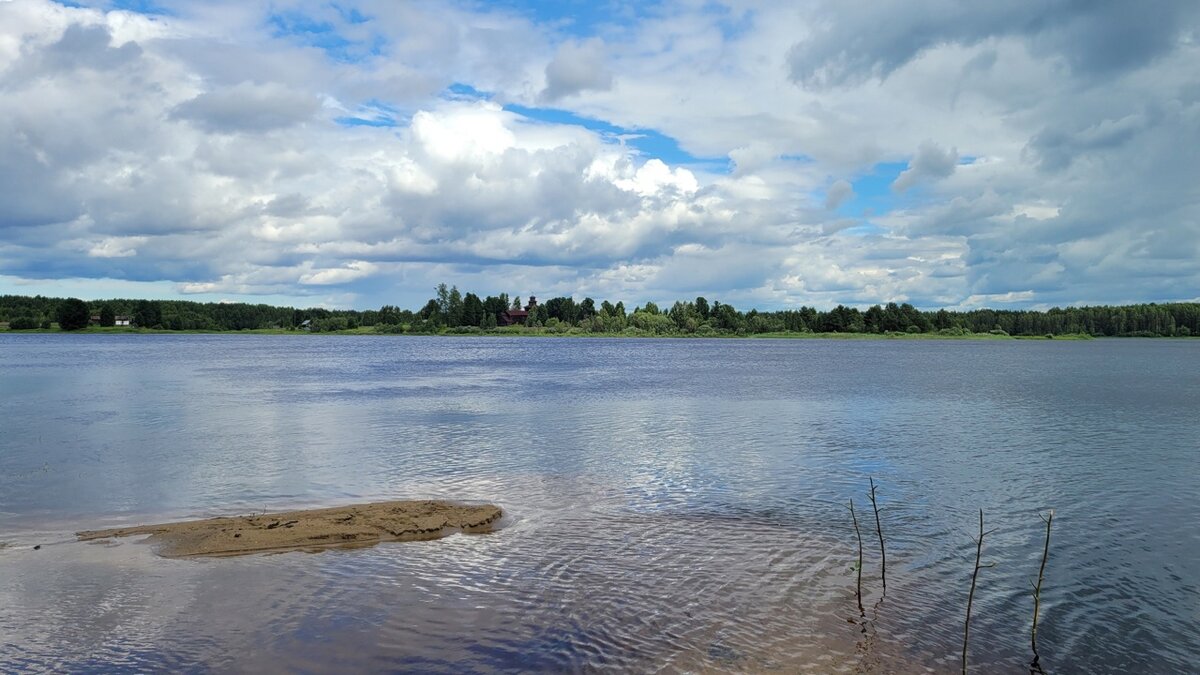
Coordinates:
971 595
858 533
879 531
1035 666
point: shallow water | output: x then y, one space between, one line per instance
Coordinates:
673 504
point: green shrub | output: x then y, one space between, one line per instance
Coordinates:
23 323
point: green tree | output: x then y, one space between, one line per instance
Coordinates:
72 314
495 306
873 319
107 316
473 310
389 315
443 302
454 308
147 314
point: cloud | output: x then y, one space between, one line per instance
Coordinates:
247 107
838 193
340 275
577 67
201 152
855 41
930 163
116 247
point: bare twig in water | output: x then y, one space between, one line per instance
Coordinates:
879 530
1035 665
858 533
971 595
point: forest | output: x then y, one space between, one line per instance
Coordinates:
451 311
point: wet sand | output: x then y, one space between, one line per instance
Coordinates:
311 530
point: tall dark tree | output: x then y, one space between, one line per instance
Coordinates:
495 306
473 311
873 319
554 308
454 308
432 311
148 314
443 300
73 314
108 317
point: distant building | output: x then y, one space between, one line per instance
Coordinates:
518 317
305 324
117 321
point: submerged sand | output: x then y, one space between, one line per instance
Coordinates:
313 529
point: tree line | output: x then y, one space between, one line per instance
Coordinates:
450 310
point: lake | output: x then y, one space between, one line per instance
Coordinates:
671 504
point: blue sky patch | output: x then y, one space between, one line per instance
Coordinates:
648 143
873 193
366 122
460 91
351 15
374 113
580 18
303 29
140 6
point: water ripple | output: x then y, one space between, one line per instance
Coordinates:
672 505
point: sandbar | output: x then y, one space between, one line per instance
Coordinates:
311 530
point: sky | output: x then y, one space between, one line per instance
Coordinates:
350 154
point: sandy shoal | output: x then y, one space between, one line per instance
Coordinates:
313 529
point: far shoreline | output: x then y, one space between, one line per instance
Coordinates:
577 333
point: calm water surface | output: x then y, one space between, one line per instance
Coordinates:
673 504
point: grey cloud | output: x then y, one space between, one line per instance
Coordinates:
287 206
31 193
873 39
961 216
1056 148
930 163
247 107
88 47
838 193
577 67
